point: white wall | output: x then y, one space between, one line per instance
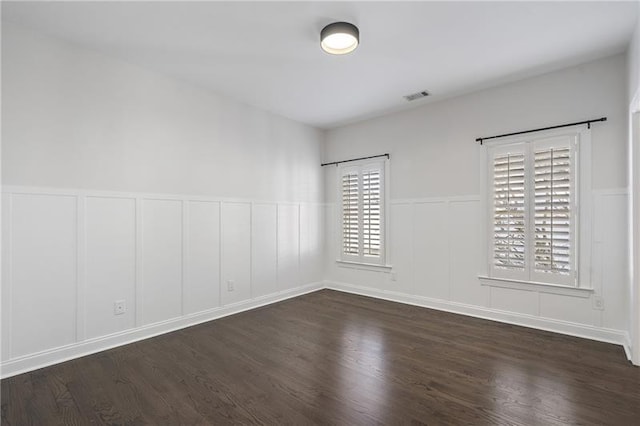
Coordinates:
122 184
435 199
633 61
72 118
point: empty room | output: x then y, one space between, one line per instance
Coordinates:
345 213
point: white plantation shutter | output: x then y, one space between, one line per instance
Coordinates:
532 210
362 217
553 214
350 224
552 210
509 211
371 212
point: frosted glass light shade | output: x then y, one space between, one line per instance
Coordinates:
339 38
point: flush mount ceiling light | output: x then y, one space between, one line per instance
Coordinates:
339 38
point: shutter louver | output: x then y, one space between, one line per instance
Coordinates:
509 226
350 238
371 205
362 215
552 210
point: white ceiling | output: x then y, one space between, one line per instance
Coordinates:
267 53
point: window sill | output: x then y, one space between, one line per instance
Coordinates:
365 266
536 286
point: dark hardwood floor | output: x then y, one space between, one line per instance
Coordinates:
335 358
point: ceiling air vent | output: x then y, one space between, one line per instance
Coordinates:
414 96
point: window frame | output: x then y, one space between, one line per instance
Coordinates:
580 279
345 259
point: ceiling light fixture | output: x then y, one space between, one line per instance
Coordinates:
339 38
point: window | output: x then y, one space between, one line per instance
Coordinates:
362 213
533 210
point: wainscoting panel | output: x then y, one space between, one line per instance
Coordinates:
466 253
162 260
431 246
5 312
110 264
264 249
400 243
288 245
311 242
69 255
613 258
43 250
201 290
514 300
438 251
236 252
568 308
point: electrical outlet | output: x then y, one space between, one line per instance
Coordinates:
394 276
230 285
119 307
598 303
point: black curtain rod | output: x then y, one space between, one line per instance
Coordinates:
355 159
587 122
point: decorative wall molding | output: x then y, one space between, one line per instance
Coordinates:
610 191
443 199
43 190
618 337
65 353
85 343
91 346
156 304
445 276
535 287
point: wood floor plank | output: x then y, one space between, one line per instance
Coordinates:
335 358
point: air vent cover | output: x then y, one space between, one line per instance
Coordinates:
414 96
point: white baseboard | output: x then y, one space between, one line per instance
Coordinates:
557 326
627 347
65 353
76 350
